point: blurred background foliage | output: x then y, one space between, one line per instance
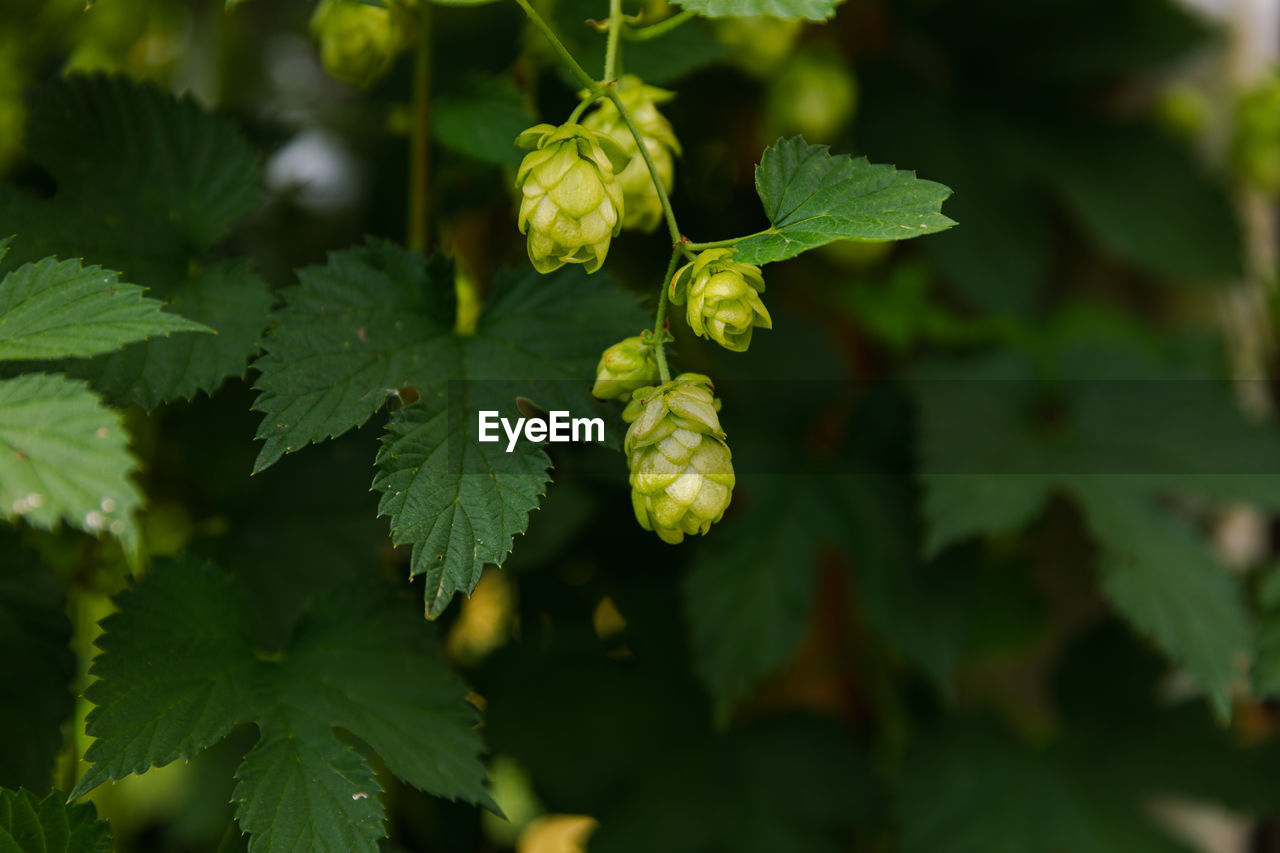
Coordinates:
848 662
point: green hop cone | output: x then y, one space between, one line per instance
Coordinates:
681 468
359 42
724 298
627 365
571 202
640 196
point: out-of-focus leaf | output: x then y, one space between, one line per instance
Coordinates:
992 451
1146 198
749 594
483 121
32 825
1049 800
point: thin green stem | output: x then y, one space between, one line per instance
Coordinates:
565 56
659 333
725 244
581 107
419 226
661 28
672 226
611 46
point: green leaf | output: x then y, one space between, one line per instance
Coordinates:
35 670
748 596
179 668
812 199
991 458
482 122
147 184
367 324
32 825
813 10
377 319
56 309
459 514
64 457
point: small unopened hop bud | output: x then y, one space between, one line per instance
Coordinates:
358 41
681 468
571 203
724 298
627 365
643 207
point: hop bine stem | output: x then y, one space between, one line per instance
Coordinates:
420 136
611 46
660 348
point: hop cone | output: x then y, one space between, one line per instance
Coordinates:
681 473
359 42
640 197
627 365
571 204
723 296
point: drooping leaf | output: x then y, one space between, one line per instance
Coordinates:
179 667
458 513
377 319
1165 580
35 670
813 10
64 458
32 825
812 198
57 309
147 184
994 450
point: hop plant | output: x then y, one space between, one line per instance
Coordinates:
572 203
640 196
723 296
681 469
627 365
360 42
